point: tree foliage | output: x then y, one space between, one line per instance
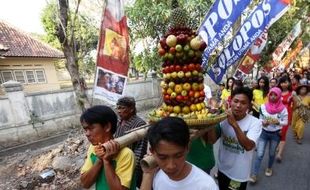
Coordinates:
85 35
75 34
149 20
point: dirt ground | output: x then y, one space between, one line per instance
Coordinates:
53 167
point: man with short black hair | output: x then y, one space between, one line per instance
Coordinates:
238 137
106 167
169 139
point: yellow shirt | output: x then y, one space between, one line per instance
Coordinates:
258 97
125 166
225 94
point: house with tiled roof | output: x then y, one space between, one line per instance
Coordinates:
27 60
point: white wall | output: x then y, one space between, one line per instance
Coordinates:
29 116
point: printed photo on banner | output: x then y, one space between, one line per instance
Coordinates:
110 81
239 75
109 86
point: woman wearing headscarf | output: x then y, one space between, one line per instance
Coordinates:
274 116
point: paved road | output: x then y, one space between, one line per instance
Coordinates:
294 171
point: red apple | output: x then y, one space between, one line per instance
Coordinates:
167 97
172 50
179 98
172 68
161 51
178 68
197 94
191 93
198 67
185 68
191 66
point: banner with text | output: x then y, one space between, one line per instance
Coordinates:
251 57
283 47
112 55
217 23
264 15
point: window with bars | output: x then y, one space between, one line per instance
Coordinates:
30 76
23 76
19 76
40 76
7 75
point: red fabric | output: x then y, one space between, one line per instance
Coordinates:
287 100
119 66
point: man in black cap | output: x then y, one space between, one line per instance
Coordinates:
128 120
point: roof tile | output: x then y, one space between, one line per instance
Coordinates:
20 44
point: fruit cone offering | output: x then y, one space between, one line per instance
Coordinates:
182 87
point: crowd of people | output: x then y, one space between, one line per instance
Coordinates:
259 114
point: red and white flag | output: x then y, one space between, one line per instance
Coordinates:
112 53
251 57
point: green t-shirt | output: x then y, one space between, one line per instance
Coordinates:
201 154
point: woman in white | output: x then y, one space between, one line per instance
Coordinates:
274 115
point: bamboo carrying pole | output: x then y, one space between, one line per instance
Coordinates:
133 136
149 161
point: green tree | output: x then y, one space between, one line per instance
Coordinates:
148 22
76 35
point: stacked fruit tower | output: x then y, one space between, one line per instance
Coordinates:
183 82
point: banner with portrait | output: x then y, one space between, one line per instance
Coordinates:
251 57
112 53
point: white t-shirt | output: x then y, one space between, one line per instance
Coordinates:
207 91
282 117
196 179
234 160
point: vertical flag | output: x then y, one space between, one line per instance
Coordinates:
264 15
218 21
252 56
283 47
112 53
291 56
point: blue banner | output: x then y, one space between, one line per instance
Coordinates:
265 14
218 21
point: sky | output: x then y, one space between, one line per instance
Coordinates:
23 14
